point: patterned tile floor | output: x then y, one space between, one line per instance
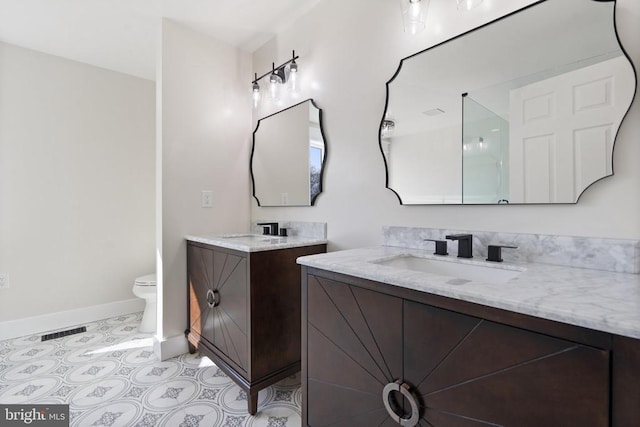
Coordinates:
110 376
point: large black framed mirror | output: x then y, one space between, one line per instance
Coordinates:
524 109
288 156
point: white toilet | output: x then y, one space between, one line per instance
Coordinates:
145 287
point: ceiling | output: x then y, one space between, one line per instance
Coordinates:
121 35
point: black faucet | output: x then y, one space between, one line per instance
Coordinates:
465 244
273 228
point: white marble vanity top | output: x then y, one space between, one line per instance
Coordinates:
600 300
248 242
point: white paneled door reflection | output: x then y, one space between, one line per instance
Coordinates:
562 131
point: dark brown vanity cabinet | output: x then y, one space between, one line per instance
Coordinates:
244 312
380 355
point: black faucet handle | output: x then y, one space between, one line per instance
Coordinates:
494 252
458 236
441 246
465 244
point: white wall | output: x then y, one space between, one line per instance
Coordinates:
203 144
76 183
348 50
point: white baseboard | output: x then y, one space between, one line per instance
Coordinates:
170 347
65 319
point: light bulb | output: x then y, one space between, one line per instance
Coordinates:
414 9
274 87
293 82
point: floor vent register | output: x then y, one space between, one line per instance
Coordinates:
61 334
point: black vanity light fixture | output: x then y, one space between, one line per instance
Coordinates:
278 77
414 15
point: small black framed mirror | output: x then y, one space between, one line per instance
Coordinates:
288 156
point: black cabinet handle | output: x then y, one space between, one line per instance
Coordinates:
404 420
213 298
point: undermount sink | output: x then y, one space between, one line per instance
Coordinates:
453 268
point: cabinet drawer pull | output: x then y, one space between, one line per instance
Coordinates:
213 298
402 388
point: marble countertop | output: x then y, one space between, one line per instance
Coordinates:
600 300
248 242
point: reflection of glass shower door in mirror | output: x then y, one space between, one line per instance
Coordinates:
485 170
562 131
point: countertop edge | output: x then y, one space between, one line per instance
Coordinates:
269 244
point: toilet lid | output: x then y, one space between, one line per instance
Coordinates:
148 280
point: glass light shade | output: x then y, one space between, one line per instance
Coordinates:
256 95
468 4
292 82
274 87
414 15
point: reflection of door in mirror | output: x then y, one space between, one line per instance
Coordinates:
288 157
565 126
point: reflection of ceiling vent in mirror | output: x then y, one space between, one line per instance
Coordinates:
433 112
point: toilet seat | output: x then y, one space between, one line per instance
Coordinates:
148 280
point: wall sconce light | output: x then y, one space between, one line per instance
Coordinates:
278 76
414 15
468 4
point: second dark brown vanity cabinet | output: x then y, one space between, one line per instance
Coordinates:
244 312
461 369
